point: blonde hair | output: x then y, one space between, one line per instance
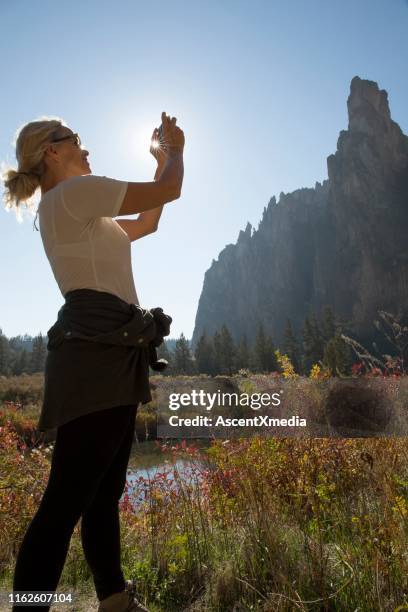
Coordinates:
31 141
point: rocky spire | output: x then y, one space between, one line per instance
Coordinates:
368 108
342 243
246 235
373 144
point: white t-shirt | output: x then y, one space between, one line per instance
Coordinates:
86 247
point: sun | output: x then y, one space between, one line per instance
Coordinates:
141 139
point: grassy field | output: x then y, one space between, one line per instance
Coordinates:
263 524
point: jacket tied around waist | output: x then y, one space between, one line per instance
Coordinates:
99 353
145 329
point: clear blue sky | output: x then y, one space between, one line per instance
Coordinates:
259 88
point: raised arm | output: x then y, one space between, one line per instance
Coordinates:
141 197
147 222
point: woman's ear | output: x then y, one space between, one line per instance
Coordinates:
51 155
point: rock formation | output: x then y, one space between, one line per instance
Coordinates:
342 244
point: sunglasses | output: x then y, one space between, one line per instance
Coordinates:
77 139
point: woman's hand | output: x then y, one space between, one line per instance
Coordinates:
158 152
171 139
173 136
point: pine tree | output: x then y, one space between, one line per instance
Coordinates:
329 324
204 354
259 348
313 344
217 351
21 364
183 363
271 363
38 355
318 340
291 346
3 355
337 356
264 352
243 357
163 352
227 351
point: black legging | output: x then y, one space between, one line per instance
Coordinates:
87 479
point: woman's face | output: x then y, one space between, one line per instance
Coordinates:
66 156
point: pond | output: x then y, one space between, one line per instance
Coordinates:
146 460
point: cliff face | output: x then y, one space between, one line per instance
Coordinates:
343 243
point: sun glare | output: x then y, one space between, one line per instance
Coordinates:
142 139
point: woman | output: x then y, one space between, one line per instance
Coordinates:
100 348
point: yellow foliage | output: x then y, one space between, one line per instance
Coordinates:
318 373
315 371
401 506
286 365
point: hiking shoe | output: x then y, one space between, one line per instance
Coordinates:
130 588
123 602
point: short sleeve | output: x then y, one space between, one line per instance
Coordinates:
89 196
